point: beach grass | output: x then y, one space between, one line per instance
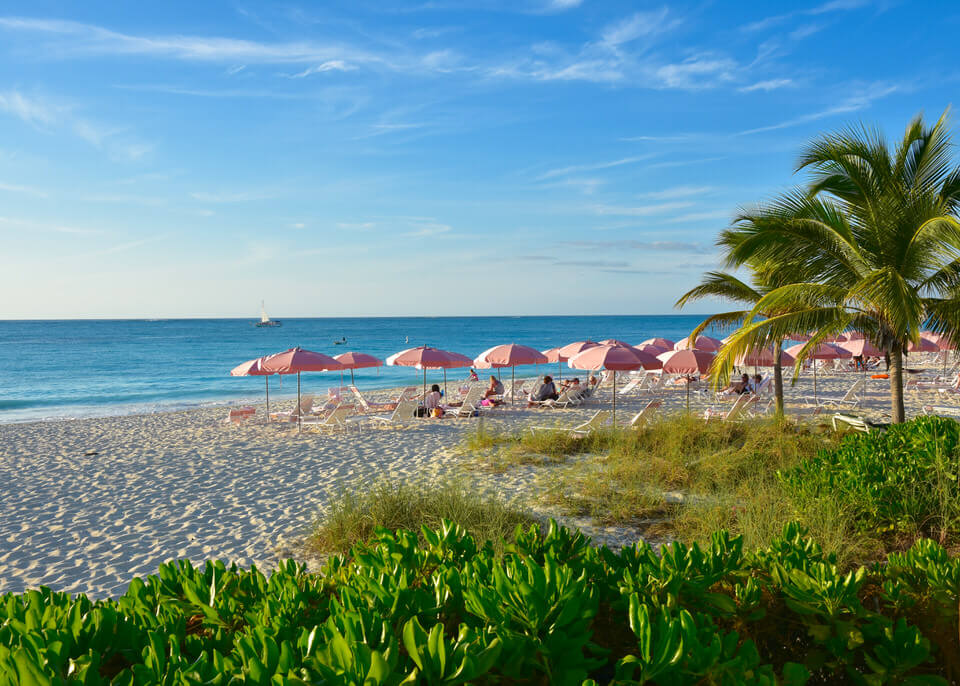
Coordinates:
356 512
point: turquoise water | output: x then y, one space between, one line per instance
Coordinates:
81 368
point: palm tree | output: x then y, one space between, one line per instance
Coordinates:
729 287
873 245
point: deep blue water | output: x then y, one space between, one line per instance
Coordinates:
76 368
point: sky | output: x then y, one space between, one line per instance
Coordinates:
379 157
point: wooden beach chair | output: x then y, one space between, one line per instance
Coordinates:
599 420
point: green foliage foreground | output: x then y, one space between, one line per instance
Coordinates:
551 609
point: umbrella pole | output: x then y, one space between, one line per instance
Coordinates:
559 368
814 365
267 380
299 409
688 395
614 401
445 382
513 382
424 401
352 382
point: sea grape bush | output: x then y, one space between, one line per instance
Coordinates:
442 609
905 479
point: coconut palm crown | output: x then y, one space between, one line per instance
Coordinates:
872 245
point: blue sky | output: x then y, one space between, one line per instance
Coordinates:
387 158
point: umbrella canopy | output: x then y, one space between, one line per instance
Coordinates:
686 362
702 343
250 368
255 368
295 361
354 360
924 345
509 355
941 341
424 357
614 341
861 347
651 349
764 358
824 351
553 355
572 349
799 337
664 343
616 358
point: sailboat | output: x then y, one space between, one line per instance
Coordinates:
264 319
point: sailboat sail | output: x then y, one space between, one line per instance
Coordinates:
263 314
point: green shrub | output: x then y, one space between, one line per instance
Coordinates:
902 480
441 608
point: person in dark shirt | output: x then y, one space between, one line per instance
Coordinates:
545 392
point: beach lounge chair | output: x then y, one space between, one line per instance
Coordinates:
852 396
408 393
404 413
641 417
569 396
240 415
470 405
735 412
332 422
369 407
849 422
304 409
600 419
631 385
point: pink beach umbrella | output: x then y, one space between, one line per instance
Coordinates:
564 353
509 355
690 362
615 358
424 357
614 341
651 349
706 343
924 345
254 368
764 358
861 347
941 341
553 355
664 343
823 351
353 360
295 361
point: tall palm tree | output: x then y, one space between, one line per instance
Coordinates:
727 286
873 244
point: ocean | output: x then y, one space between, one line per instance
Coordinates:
94 368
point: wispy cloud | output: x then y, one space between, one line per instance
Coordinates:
331 65
429 230
595 166
768 85
824 8
852 103
699 71
700 216
642 210
231 197
356 226
638 25
679 192
24 190
34 111
652 246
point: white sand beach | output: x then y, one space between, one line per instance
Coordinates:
88 504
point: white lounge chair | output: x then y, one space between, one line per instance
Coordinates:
334 421
735 412
303 409
599 420
634 383
841 421
367 406
852 396
641 417
469 406
404 413
942 411
569 396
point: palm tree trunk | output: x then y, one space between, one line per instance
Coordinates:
778 377
896 385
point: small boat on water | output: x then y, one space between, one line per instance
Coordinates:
264 319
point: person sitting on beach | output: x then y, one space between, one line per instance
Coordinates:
473 375
570 383
432 400
545 392
755 383
495 388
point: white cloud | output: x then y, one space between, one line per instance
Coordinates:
700 216
242 196
24 190
564 171
805 31
699 71
429 230
639 25
356 226
34 111
564 4
298 225
331 65
769 85
679 192
852 103
642 210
